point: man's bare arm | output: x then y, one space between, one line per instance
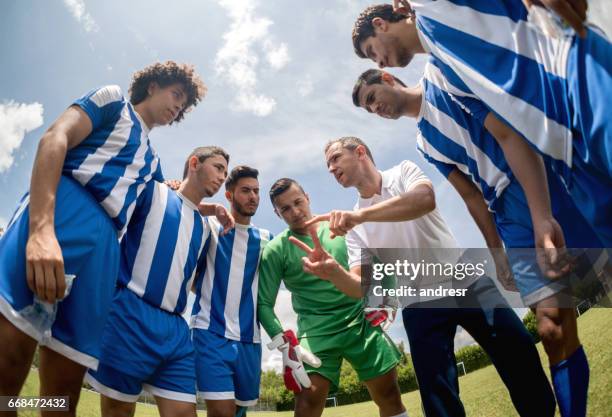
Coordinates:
528 167
479 211
408 206
44 261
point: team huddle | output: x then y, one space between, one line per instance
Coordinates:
100 256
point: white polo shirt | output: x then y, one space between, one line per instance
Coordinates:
428 231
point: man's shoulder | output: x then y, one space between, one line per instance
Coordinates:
107 94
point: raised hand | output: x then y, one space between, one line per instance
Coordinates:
173 184
225 218
340 221
317 260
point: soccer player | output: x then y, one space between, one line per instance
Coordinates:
466 154
396 210
552 89
225 330
146 342
331 324
91 165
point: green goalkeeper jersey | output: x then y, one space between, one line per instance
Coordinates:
321 308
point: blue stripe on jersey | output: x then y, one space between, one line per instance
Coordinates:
132 191
129 247
164 250
106 179
223 262
530 80
513 9
192 260
455 152
247 307
450 75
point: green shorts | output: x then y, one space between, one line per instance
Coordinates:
368 349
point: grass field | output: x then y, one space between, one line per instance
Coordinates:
482 391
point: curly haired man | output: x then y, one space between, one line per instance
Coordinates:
91 165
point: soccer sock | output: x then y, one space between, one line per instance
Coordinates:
571 381
241 411
404 414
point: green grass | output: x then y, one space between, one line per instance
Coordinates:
482 391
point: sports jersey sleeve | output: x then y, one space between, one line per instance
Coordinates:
444 168
411 176
102 105
270 273
358 253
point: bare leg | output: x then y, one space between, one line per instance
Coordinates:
60 376
310 402
17 350
385 392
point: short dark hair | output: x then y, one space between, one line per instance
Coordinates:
363 28
203 153
165 74
282 185
351 143
369 77
241 171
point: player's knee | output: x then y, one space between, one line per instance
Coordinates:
389 396
551 333
114 408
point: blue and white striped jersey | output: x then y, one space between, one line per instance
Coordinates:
165 242
518 71
116 160
449 138
226 297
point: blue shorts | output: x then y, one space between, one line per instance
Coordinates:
515 228
88 240
144 347
227 369
589 72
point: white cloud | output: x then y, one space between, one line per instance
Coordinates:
277 56
237 61
3 222
305 86
16 119
77 9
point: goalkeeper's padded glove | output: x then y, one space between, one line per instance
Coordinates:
381 316
294 374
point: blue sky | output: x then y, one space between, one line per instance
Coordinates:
279 75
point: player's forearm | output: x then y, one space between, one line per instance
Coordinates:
347 282
408 206
46 173
484 220
527 166
268 319
207 209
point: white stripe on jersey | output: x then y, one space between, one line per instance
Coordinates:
179 258
523 116
116 198
106 95
526 39
150 234
447 126
94 162
234 286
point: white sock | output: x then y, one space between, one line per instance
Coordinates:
404 414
